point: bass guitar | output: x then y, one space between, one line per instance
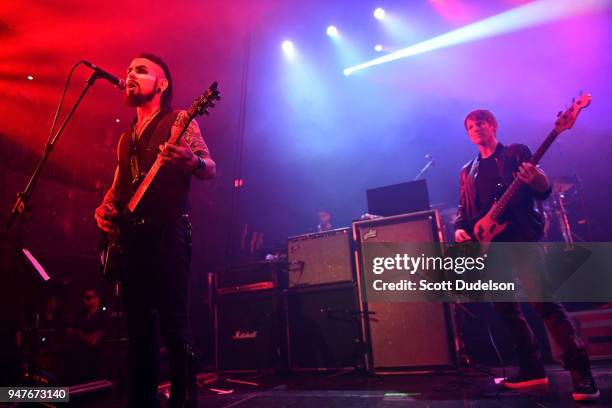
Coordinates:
489 226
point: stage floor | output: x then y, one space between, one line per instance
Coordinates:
449 388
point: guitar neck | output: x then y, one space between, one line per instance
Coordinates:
144 186
500 205
552 136
152 173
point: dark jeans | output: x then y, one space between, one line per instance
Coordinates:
559 326
156 289
528 267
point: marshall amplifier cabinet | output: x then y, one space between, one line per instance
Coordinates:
402 334
320 258
250 332
323 325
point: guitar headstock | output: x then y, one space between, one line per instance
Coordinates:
566 119
205 101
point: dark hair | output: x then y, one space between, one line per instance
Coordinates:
481 114
166 98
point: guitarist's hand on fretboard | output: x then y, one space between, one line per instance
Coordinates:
533 176
180 156
105 215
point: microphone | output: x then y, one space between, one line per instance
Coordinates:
429 157
118 82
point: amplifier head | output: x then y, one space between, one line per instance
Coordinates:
320 258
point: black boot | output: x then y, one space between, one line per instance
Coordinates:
184 390
527 377
585 388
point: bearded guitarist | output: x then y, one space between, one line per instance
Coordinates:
158 250
481 181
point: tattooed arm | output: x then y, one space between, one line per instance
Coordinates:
192 154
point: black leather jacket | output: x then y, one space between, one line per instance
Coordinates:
523 212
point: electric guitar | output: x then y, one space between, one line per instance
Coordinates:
113 256
488 227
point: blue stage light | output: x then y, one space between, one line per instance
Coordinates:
527 15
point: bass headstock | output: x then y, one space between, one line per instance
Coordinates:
566 119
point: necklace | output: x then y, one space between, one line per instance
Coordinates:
138 128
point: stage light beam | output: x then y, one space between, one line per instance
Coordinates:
528 15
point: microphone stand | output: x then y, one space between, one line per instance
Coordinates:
18 214
23 197
429 164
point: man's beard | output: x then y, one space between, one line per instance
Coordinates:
138 99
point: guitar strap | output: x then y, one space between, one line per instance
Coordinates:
138 144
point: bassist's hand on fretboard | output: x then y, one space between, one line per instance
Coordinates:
533 176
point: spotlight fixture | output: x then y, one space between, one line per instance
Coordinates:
288 48
379 13
378 48
332 31
30 78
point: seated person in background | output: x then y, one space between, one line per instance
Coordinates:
84 337
324 221
48 317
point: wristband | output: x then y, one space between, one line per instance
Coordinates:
201 165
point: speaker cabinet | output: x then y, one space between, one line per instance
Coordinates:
324 328
249 332
402 334
320 258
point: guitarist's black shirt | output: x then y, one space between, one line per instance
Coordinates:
488 183
490 186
